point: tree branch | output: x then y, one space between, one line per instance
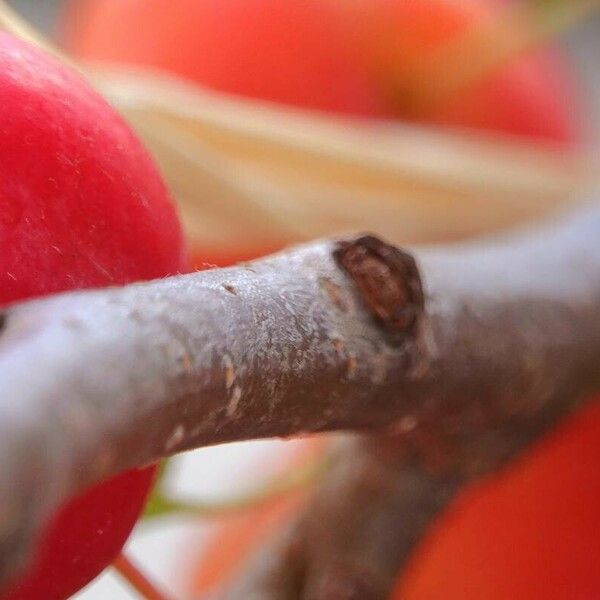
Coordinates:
354 536
502 339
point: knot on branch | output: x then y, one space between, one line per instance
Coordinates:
388 280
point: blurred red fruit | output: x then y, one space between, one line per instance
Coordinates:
343 57
529 534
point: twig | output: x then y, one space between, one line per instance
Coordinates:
501 341
352 539
136 579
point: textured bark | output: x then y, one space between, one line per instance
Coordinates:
498 342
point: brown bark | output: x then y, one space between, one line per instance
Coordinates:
501 339
351 540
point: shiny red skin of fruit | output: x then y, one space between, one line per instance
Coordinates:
81 202
81 205
84 537
341 57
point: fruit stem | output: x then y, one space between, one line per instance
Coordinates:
467 59
137 579
295 480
